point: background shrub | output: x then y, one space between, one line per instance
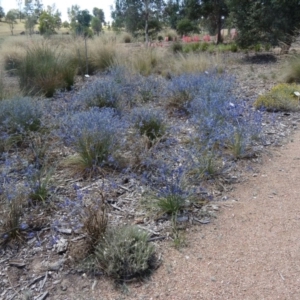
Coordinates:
177 47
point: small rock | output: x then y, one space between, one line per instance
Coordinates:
61 246
55 266
64 230
182 219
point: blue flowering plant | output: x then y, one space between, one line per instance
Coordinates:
95 134
19 115
101 93
221 121
182 89
149 122
170 191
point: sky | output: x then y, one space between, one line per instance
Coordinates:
63 6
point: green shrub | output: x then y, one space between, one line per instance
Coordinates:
193 47
233 47
170 204
125 253
177 47
257 47
204 46
268 46
280 98
44 70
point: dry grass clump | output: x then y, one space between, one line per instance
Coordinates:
125 253
282 97
144 61
291 71
102 55
193 63
126 38
13 52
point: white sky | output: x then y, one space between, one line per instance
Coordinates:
63 5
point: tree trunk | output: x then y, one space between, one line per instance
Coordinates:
146 32
146 23
219 28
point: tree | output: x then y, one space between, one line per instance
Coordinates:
79 20
32 11
214 12
265 21
11 19
49 21
96 25
171 13
99 13
191 9
2 13
186 26
83 22
66 24
20 3
136 15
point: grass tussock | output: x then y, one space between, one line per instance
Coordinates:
281 98
193 63
45 69
125 253
144 61
11 229
102 55
292 70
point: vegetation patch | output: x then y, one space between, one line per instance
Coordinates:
125 253
282 97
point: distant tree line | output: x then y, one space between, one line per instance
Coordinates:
48 19
257 21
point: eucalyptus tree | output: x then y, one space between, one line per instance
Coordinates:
11 19
136 15
265 21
